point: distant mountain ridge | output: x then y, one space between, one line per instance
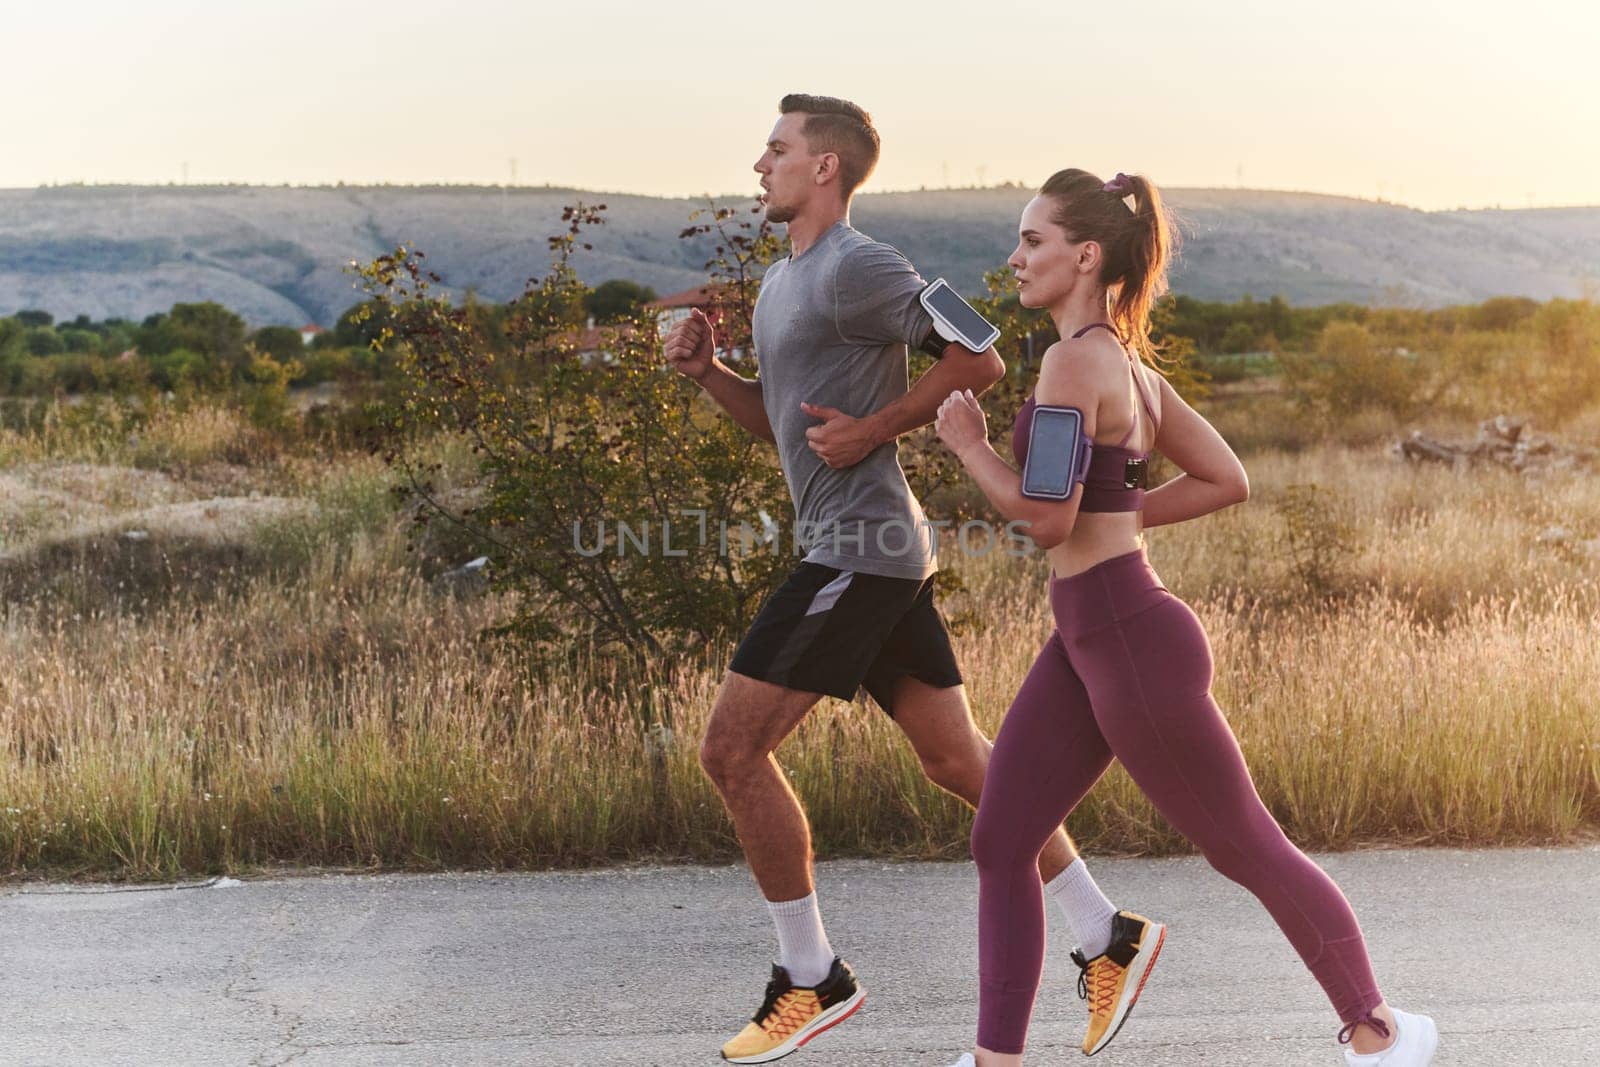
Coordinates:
277 254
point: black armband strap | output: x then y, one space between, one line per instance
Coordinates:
935 345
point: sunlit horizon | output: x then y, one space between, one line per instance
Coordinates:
1427 106
732 197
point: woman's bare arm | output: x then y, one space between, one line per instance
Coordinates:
1063 381
1212 478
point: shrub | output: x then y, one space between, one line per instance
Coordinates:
571 449
1353 370
1318 535
1240 337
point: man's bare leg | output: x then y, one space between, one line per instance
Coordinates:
749 721
814 990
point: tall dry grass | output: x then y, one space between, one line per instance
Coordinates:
1429 676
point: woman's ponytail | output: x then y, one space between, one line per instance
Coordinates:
1148 243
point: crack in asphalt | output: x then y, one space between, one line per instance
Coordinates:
246 997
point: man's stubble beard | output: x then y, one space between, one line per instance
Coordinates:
778 213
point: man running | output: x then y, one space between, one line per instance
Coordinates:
831 329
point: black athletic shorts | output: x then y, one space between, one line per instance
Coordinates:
831 631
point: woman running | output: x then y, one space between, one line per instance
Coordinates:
1126 673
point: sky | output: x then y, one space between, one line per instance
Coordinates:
1436 105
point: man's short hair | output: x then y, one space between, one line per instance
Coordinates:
837 126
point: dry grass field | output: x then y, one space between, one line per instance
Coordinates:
263 674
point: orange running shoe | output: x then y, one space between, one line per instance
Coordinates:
792 1015
1112 981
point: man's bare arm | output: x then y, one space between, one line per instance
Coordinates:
739 397
842 441
956 371
691 348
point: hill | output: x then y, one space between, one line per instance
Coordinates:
277 254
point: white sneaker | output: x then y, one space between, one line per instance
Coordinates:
1414 1045
966 1060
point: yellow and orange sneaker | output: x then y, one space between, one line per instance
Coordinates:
1113 980
792 1015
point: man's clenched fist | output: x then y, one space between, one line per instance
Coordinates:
691 345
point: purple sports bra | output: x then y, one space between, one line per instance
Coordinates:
1117 474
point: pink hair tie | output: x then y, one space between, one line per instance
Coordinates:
1120 186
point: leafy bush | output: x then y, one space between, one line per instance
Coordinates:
282 343
1239 337
1318 536
617 300
1353 370
573 446
178 368
266 390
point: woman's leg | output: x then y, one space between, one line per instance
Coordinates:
1048 754
1149 678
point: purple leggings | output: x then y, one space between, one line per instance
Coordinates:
1127 674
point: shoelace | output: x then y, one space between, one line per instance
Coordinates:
1349 1029
1099 976
769 1000
787 1017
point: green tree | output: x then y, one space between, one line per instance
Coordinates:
77 339
616 300
1353 370
13 350
178 369
206 328
35 318
282 343
1239 337
44 341
1278 318
212 329
1563 370
571 450
1502 313
361 324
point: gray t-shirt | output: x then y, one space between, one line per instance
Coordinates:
831 328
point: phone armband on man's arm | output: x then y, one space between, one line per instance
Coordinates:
933 344
956 320
1058 453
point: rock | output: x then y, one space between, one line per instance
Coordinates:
469 579
1501 428
1503 441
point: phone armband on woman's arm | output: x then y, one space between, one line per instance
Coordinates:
1058 453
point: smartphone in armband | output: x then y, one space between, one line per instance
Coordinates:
956 320
1058 453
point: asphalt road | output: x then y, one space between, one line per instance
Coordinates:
656 966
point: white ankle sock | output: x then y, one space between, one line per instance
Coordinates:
1088 911
803 948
